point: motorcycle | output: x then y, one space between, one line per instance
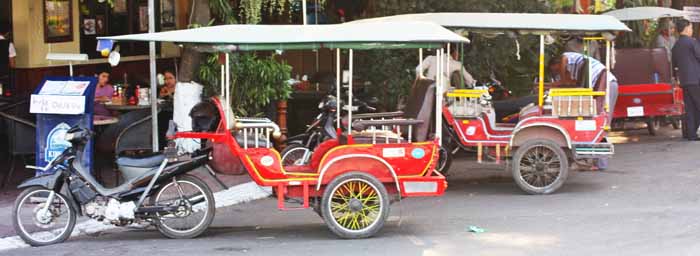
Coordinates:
179 205
300 147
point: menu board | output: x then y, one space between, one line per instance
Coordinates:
69 88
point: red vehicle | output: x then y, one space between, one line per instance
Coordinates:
647 91
349 181
564 125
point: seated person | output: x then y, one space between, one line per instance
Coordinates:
168 88
430 64
103 93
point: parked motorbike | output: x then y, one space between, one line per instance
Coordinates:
300 147
157 191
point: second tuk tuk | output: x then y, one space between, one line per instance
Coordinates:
563 125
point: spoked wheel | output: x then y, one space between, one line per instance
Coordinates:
540 167
355 205
195 207
444 160
653 125
40 220
296 154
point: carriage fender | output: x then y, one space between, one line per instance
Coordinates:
380 160
540 131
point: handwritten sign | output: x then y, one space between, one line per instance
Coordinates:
57 104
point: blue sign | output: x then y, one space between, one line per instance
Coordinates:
51 128
418 153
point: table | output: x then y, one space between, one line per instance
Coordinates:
125 107
99 120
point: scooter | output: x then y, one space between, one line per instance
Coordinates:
157 191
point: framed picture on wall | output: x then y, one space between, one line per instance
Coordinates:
58 21
89 27
167 14
143 18
100 25
119 6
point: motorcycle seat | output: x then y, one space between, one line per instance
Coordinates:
144 162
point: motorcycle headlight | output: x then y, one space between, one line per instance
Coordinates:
69 136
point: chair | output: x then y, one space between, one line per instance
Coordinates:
21 133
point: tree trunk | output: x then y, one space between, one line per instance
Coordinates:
189 60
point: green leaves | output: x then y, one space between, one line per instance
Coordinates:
255 81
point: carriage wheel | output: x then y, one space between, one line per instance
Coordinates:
676 123
355 205
540 166
444 160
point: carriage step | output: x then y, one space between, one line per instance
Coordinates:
594 150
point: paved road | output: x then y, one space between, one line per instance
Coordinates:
647 204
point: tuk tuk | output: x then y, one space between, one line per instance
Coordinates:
647 93
350 181
563 125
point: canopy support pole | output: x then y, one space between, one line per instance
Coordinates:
152 65
337 90
608 74
448 59
420 62
303 11
350 140
438 96
227 88
541 75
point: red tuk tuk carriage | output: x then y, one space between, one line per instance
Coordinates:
563 125
349 181
647 91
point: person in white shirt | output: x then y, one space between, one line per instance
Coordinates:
430 64
12 51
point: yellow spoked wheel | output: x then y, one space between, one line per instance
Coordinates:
355 205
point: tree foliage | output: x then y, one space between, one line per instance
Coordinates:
392 72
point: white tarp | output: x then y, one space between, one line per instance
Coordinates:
384 32
644 13
523 22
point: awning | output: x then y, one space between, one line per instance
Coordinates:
280 37
644 13
520 22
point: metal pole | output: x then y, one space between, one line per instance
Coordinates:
540 99
420 62
227 88
337 88
303 10
350 96
70 67
608 74
438 96
152 65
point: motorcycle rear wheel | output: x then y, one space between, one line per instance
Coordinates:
187 189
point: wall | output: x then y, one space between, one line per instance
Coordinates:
28 35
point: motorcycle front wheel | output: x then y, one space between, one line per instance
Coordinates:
195 207
40 222
295 155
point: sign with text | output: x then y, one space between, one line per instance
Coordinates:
57 104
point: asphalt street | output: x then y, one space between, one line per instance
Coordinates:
646 204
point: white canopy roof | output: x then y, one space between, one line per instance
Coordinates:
522 22
251 37
644 13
